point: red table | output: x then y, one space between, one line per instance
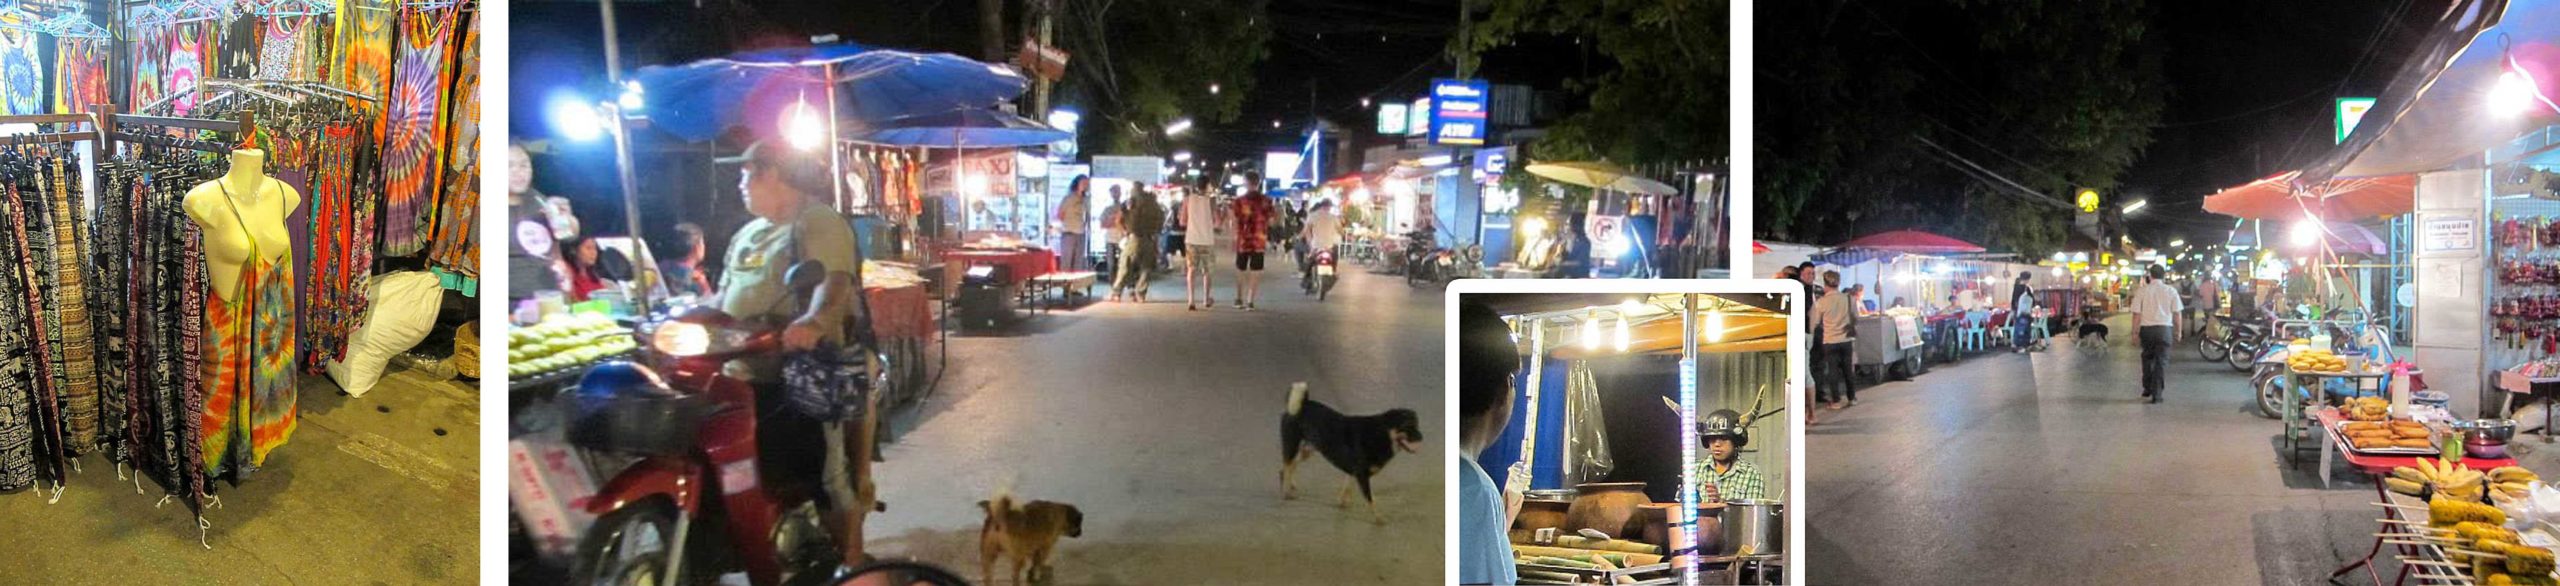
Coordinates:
1022 264
2379 466
901 312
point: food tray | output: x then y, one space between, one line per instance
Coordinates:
2338 432
1640 575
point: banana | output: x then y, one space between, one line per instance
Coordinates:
2404 486
2409 474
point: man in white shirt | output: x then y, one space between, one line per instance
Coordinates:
1199 247
1324 232
2156 312
1834 323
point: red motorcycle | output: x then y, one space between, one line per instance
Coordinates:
690 439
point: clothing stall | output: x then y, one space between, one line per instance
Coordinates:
194 200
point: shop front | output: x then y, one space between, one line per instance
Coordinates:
1618 430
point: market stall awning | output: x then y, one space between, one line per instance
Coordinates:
1911 241
2439 108
1755 332
1601 175
967 127
698 100
2283 197
2347 238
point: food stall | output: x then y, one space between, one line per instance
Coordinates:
1613 449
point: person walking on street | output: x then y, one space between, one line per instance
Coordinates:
1199 248
1834 321
2156 311
1144 222
1071 221
1114 234
1253 216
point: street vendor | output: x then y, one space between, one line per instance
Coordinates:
1723 476
779 184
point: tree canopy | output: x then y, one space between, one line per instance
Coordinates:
2052 95
1139 64
1664 97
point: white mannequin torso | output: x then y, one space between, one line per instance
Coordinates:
261 203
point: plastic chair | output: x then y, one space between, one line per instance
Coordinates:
2001 334
2042 326
1974 333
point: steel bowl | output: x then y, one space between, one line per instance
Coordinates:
2486 432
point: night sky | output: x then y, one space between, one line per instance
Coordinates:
2252 91
1347 49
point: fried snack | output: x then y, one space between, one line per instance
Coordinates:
2372 433
2445 512
2356 426
2411 443
2406 433
2368 443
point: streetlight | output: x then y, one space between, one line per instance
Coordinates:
2137 205
1213 89
1177 127
2180 243
1364 103
1182 156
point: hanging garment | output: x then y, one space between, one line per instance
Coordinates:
456 248
78 377
147 69
363 47
184 67
22 80
30 228
17 375
80 75
249 399
236 48
412 157
280 49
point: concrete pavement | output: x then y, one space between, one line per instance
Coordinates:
2047 468
366 492
1163 426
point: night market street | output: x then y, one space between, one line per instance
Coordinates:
2046 468
1162 426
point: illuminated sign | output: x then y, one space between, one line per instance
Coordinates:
1391 119
2088 200
2351 111
1458 111
1417 120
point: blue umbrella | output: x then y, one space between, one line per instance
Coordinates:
695 101
967 127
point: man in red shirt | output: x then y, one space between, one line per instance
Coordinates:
1252 214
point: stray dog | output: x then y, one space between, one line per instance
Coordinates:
1027 533
2092 336
1359 446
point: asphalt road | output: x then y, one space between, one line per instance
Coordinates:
2045 469
1162 426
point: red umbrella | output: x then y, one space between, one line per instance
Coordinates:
1912 241
1757 247
2279 198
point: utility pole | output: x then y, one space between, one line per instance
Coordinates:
991 29
1047 11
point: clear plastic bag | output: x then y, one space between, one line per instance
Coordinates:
1586 440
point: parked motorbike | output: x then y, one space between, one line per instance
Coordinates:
2243 341
690 437
1421 254
2268 366
1318 280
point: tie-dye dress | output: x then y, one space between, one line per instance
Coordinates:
248 361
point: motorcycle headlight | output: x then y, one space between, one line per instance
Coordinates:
686 339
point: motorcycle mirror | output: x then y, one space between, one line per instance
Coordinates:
805 276
901 573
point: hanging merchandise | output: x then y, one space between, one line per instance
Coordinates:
1588 440
149 66
321 148
80 77
185 64
157 255
21 80
362 60
412 156
456 234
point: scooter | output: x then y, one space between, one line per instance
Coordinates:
691 438
2268 367
1419 253
1318 280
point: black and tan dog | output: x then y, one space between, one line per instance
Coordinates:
1027 533
1358 445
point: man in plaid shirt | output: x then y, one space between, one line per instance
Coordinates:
1723 476
1252 215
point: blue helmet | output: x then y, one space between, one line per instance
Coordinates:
620 379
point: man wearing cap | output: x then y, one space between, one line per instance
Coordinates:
777 184
1723 476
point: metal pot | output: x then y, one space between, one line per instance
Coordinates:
1760 524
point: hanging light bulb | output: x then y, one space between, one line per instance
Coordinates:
802 127
1715 325
1622 333
2305 233
1590 333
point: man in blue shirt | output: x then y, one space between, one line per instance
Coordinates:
1487 357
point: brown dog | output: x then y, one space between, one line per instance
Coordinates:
1027 533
